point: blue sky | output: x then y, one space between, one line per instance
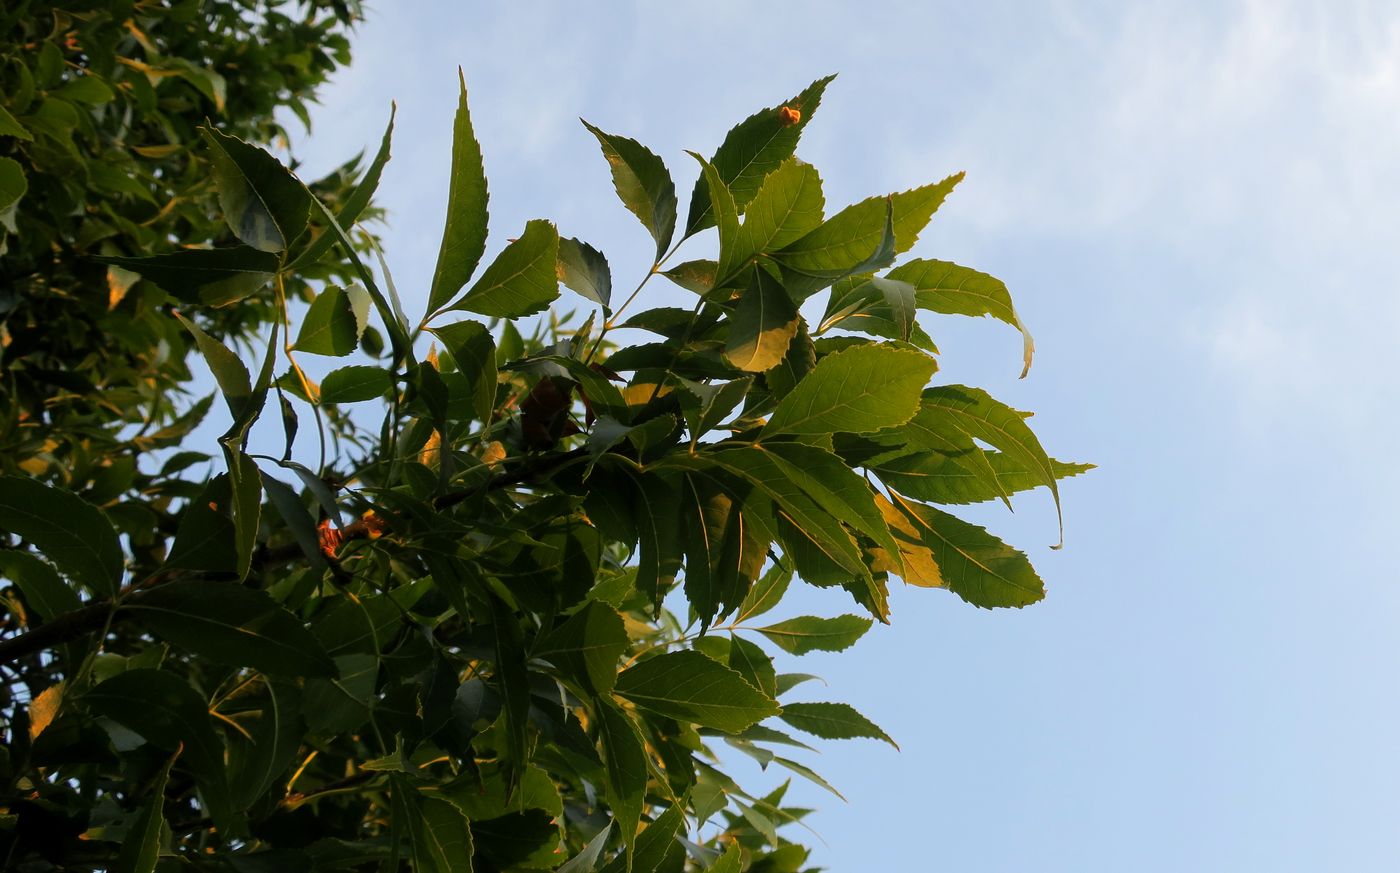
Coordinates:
1195 207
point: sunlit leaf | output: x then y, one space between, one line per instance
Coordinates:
690 687
464 236
643 183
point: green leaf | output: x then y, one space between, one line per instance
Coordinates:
355 384
690 687
975 565
763 324
245 482
732 861
949 478
787 207
801 359
472 349
940 286
233 625
161 707
464 236
697 276
439 835
834 486
585 270
358 200
807 633
46 594
211 277
148 832
725 217
807 773
914 562
330 327
87 88
586 861
587 646
765 594
625 769
513 685
643 183
657 848
749 661
874 305
228 369
751 150
276 739
832 721
263 204
205 537
720 561
859 390
848 237
659 547
521 280
68 530
13 186
998 425
10 126
706 405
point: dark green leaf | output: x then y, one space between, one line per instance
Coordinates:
358 200
68 530
975 565
245 484
212 277
584 269
330 326
859 390
168 713
513 684
10 126
47 595
690 687
229 371
659 558
764 323
625 762
706 405
517 840
464 236
295 519
832 721
521 280
940 286
697 276
440 837
998 425
587 646
656 847
751 150
205 538
263 203
233 625
472 349
716 570
148 832
355 384
643 183
808 633
13 186
255 766
749 661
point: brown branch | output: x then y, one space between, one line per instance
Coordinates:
62 629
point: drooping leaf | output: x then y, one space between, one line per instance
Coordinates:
295 518
808 633
998 425
233 625
161 707
859 390
914 561
975 565
643 183
330 326
625 763
763 324
68 530
513 685
659 549
941 286
807 773
587 646
212 277
523 278
751 150
148 833
355 384
229 370
263 203
464 236
690 687
714 543
472 349
832 721
936 477
585 270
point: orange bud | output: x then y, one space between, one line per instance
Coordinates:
789 116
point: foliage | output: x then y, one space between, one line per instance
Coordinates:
503 624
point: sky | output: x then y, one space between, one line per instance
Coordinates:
1197 210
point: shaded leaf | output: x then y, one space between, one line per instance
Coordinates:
68 530
45 593
766 593
587 646
148 832
254 767
585 270
213 277
263 203
586 861
763 324
472 349
355 384
625 763
330 326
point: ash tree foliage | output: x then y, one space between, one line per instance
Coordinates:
508 612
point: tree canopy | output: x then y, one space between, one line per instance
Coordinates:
514 609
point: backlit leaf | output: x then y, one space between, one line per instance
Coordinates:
690 687
472 349
808 633
643 183
522 279
585 270
213 277
587 646
832 721
355 384
464 235
859 390
330 326
263 203
940 286
763 324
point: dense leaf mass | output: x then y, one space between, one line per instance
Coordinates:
528 577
